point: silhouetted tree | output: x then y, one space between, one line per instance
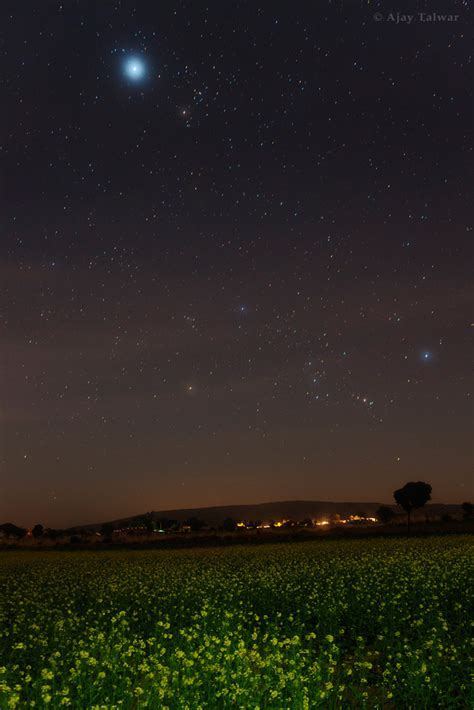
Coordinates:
11 530
229 525
107 530
468 510
54 534
38 530
167 524
413 495
195 524
148 523
385 514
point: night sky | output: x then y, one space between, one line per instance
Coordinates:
236 255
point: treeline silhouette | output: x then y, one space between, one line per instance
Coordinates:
412 496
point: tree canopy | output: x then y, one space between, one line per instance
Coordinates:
414 494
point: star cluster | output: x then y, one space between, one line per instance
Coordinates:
235 257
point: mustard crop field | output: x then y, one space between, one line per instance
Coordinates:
372 623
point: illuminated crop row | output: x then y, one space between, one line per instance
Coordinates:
365 623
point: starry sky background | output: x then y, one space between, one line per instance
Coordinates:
243 278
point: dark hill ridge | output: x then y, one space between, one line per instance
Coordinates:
292 509
295 510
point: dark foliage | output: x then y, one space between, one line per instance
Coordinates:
11 530
468 510
413 495
385 514
38 531
195 524
229 525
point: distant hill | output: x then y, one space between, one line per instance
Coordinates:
292 509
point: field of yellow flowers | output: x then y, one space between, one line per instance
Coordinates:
334 624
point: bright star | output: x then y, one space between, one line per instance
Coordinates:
426 356
134 68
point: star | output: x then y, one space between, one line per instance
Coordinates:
134 68
184 114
